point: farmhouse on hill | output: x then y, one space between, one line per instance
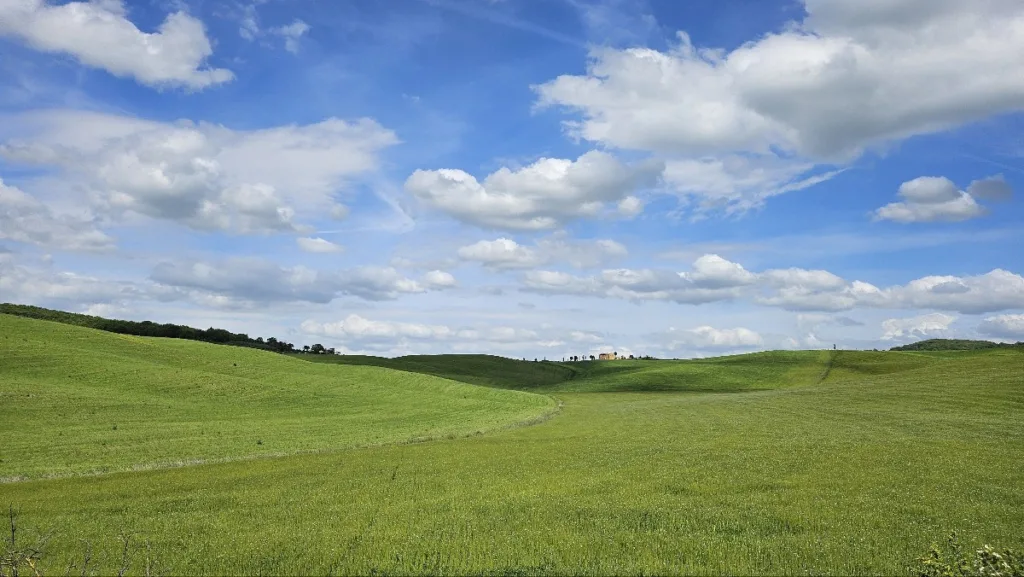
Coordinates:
609 356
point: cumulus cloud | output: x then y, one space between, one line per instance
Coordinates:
709 338
99 34
501 253
254 280
359 332
357 328
439 279
203 176
543 195
786 111
849 76
291 34
318 245
715 272
42 285
25 219
930 199
504 253
1009 327
993 291
630 207
924 326
713 278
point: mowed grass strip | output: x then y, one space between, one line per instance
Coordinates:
856 475
77 401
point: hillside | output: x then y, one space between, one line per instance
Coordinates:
76 400
954 345
147 328
856 471
755 371
484 370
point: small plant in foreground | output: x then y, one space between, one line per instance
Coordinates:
15 558
953 561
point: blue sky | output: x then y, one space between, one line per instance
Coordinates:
532 178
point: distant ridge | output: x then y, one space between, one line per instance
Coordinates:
147 328
954 345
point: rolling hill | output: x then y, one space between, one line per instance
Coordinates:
812 462
75 400
772 369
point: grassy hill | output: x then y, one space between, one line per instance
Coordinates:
484 370
76 400
146 328
813 463
733 373
953 345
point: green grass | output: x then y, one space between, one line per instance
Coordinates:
811 464
76 400
953 345
734 373
484 370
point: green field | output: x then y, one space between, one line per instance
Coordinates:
773 463
76 400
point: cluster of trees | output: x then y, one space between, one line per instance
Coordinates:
578 358
954 345
318 349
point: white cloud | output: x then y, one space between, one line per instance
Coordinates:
1003 327
848 77
993 291
543 195
251 280
501 253
438 279
739 182
291 34
707 337
585 337
931 198
504 253
318 245
713 278
99 34
630 206
359 328
924 326
201 175
357 331
803 279
249 25
43 285
25 219
713 271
